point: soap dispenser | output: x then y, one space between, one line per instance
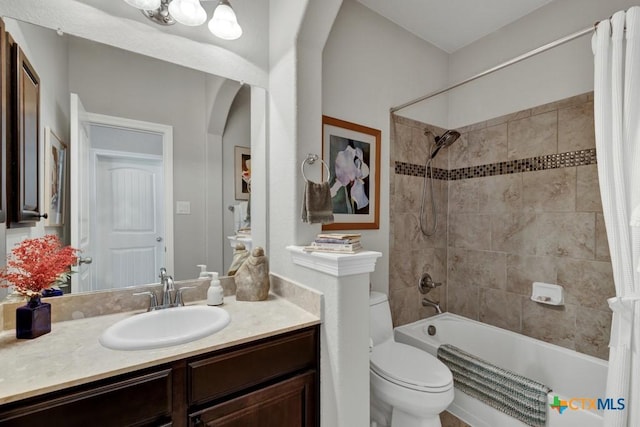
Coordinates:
204 274
215 294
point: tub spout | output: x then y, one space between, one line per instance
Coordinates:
426 302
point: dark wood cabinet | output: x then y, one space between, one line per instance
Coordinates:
273 382
23 138
3 121
288 403
139 400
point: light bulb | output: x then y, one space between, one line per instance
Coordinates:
188 12
224 23
144 4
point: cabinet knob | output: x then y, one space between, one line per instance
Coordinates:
44 215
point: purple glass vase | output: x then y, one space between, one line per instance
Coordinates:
33 319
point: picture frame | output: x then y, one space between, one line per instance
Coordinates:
352 153
242 174
55 178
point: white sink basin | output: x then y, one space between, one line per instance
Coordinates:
164 328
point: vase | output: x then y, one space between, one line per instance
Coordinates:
33 319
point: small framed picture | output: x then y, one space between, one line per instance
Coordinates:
242 172
55 178
352 152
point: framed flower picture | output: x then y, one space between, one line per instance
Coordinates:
242 162
55 177
352 153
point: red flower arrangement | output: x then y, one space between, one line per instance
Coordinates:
36 264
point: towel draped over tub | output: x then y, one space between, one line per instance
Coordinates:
506 391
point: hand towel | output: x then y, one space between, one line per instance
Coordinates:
316 203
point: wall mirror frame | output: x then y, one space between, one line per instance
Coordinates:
67 16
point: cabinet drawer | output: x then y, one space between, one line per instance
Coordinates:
216 376
138 401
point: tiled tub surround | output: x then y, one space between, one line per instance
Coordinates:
410 252
523 206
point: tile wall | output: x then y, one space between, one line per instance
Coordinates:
522 205
410 252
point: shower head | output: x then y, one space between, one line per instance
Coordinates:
444 140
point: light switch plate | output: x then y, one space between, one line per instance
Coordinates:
183 208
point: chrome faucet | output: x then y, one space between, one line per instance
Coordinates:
167 288
426 302
426 285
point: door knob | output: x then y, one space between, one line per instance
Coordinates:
158 239
84 260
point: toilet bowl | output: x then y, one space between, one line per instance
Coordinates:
409 387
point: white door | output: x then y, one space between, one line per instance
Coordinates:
129 219
85 277
108 209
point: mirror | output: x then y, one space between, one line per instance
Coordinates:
207 115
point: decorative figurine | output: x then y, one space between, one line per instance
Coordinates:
252 278
240 255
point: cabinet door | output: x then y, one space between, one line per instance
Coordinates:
24 144
290 403
3 121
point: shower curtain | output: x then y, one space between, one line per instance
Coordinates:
617 124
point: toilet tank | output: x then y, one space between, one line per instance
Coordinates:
380 324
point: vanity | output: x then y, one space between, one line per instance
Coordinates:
262 369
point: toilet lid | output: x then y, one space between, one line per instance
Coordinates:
410 367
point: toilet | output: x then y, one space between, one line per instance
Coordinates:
409 387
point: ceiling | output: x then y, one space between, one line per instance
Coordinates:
447 24
252 17
453 24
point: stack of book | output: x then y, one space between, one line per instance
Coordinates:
244 232
335 242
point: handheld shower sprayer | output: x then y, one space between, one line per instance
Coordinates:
442 141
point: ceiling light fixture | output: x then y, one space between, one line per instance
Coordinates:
223 24
188 12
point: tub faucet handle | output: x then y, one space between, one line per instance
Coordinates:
426 284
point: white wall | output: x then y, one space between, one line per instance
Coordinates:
370 65
560 73
236 133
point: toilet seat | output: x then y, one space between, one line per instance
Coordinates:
410 367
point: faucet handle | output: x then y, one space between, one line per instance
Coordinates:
179 300
153 300
426 283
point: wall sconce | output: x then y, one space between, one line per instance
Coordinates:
223 24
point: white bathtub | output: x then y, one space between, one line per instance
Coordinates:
568 373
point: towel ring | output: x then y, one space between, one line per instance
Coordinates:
311 159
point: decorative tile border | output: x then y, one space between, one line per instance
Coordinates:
403 168
551 161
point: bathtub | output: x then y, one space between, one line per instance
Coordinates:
568 373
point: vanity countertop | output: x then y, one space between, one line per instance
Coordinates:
71 354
